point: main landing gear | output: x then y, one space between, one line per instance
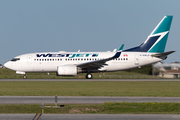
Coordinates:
24 77
89 76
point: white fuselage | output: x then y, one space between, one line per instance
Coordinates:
72 63
48 62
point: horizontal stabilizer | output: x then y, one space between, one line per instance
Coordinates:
162 54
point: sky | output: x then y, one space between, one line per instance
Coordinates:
30 26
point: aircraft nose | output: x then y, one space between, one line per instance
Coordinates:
7 65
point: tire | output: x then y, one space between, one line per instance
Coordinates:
89 76
24 77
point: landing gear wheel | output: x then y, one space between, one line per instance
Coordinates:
24 77
89 76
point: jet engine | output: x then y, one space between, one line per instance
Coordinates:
68 70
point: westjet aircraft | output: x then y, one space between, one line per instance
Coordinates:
72 63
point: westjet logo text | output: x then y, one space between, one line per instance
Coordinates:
67 55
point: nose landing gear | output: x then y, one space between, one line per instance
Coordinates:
24 77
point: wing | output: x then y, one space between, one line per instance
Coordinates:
94 65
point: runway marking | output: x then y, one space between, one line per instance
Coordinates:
37 116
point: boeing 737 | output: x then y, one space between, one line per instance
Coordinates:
72 63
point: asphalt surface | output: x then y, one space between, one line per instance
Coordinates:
89 80
85 100
90 117
81 99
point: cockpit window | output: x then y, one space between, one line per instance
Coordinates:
15 59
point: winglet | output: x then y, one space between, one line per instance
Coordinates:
118 53
121 48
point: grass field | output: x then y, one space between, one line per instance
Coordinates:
91 88
106 108
9 74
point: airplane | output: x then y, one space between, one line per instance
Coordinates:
71 63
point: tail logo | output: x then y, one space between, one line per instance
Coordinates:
156 41
159 43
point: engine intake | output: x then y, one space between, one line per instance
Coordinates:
67 70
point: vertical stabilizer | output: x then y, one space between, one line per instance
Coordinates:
156 41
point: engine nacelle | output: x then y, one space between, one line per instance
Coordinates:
69 70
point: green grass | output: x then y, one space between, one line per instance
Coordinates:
91 88
106 108
9 74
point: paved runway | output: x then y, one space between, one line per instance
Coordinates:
85 100
89 80
90 117
81 99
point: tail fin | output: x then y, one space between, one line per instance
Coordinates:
121 48
156 41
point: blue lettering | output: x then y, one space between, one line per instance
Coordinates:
87 55
60 55
53 55
73 56
94 55
47 55
38 55
80 55
66 55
